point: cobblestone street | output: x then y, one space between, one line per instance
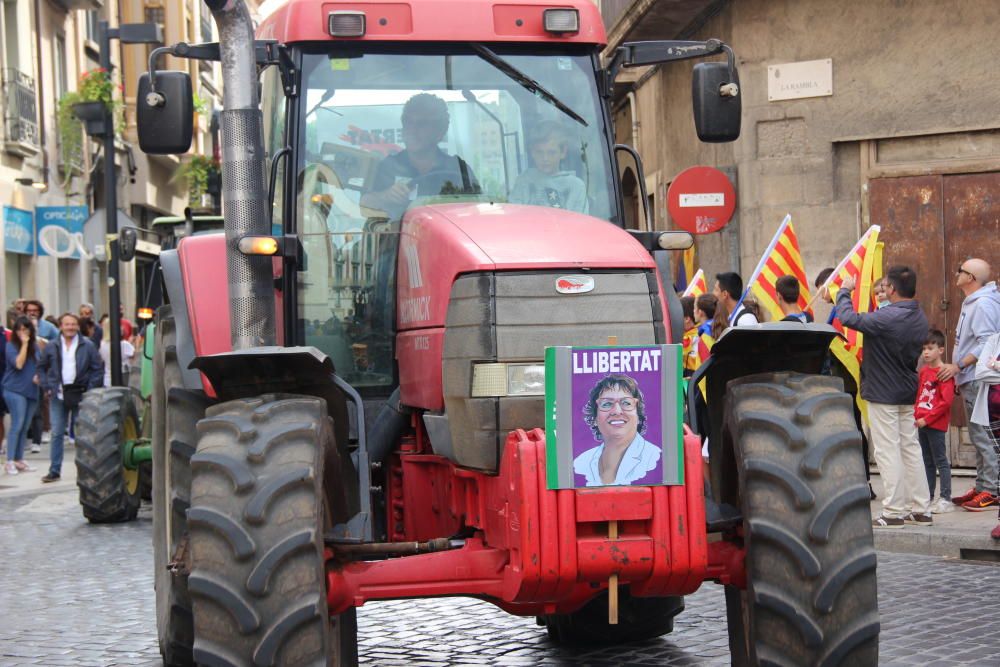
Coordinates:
76 594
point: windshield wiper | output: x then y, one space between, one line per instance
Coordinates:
526 81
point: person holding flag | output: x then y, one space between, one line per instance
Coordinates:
894 337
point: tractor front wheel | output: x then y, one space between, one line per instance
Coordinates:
256 522
109 492
810 560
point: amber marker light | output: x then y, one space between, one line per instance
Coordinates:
258 245
144 313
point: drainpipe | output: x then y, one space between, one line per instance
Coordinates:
244 188
41 92
635 119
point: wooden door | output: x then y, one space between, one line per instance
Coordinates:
933 223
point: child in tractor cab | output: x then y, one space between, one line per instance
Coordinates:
932 412
544 184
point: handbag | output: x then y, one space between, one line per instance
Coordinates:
72 395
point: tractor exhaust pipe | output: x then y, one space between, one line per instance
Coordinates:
244 187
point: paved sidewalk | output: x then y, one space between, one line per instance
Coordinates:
956 534
31 482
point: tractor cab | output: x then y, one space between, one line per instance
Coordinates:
390 131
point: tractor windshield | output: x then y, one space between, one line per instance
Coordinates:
384 131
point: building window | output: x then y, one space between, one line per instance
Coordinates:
157 15
92 33
61 82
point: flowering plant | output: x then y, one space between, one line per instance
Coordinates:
96 85
197 171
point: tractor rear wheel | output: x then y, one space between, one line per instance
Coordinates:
256 522
639 619
175 414
109 492
810 560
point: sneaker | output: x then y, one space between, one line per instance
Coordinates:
50 478
47 436
919 519
982 501
35 448
10 468
887 522
942 506
22 466
969 495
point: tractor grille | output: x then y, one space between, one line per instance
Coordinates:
512 317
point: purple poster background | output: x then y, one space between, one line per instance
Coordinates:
648 383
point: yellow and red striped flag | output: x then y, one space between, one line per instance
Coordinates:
781 258
859 264
697 286
864 264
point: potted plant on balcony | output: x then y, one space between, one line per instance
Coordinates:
197 172
85 105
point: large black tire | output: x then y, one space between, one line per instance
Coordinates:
256 522
811 590
175 414
639 619
109 493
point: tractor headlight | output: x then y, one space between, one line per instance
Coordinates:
499 379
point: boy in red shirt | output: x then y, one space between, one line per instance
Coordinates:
932 412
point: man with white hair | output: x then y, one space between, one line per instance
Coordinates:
86 311
980 317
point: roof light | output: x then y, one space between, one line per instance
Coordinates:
347 24
561 21
258 245
144 313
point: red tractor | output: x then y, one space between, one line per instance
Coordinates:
419 199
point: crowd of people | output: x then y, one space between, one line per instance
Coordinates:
48 364
906 381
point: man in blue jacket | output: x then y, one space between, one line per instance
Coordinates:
893 340
72 366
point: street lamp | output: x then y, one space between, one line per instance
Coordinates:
126 33
41 185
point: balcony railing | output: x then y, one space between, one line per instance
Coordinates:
20 118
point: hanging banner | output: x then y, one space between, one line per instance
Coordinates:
18 231
613 416
60 230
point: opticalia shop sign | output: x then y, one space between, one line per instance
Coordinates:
60 230
18 231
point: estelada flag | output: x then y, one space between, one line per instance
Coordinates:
781 258
697 286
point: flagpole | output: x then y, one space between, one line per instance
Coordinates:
824 287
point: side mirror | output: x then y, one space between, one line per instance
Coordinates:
127 238
717 102
165 115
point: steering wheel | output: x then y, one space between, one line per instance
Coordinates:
433 182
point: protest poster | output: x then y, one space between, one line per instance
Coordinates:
613 416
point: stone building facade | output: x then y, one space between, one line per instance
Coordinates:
908 138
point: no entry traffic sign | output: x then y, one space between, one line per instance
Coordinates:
701 200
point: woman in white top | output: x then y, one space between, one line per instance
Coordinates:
615 413
128 351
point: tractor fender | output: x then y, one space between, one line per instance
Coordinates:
741 351
173 286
